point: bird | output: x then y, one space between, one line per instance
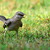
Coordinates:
13 23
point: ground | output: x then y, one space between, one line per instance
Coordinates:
35 32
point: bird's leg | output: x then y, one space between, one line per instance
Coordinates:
5 31
17 32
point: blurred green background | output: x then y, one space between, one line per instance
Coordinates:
35 33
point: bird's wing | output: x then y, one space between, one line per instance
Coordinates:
2 18
21 24
7 23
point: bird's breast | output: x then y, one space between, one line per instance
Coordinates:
14 25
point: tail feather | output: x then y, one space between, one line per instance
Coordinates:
2 18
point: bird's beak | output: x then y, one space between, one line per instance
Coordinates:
24 16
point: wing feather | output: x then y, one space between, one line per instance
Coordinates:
2 18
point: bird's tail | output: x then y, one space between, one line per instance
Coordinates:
2 18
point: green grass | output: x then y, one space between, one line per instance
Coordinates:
35 33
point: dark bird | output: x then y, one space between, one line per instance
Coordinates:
14 23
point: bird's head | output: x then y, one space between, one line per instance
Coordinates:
19 15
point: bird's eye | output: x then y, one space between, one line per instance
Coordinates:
20 14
